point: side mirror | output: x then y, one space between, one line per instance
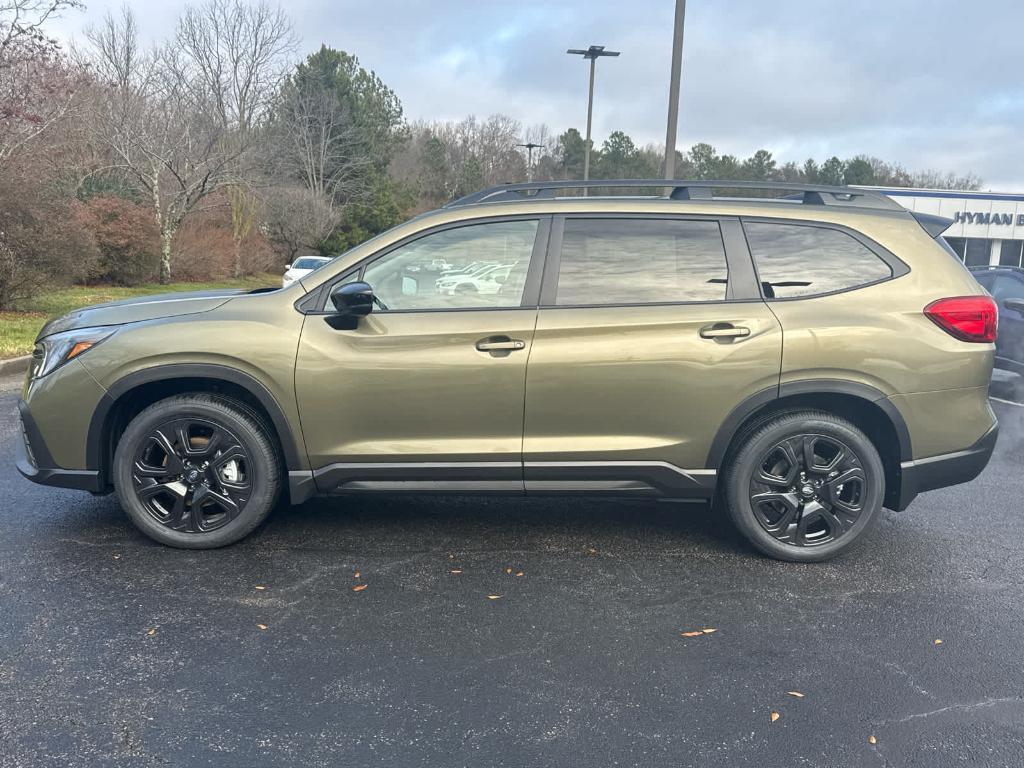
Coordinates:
1016 304
287 267
352 300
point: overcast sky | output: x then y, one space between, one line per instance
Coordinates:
926 83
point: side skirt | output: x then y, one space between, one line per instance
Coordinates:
651 479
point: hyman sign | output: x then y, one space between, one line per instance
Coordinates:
1002 219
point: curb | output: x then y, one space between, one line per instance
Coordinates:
15 365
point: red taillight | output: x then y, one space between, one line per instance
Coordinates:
968 318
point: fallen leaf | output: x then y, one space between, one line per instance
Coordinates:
591 551
937 641
493 597
451 556
795 693
508 571
259 587
774 716
262 626
356 575
359 587
151 632
117 557
697 633
872 740
456 571
519 573
708 630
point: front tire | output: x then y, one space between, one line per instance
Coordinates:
196 471
804 486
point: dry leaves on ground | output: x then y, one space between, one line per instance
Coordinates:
455 571
699 632
359 587
262 626
797 694
774 716
151 632
872 740
493 597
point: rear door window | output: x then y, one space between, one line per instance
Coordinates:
607 261
797 260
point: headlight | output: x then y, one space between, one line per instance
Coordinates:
53 351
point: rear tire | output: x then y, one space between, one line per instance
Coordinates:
196 471
804 486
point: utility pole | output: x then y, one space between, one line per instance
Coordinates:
529 147
593 53
673 91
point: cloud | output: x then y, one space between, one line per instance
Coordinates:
926 83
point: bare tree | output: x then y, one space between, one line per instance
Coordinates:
180 120
316 140
298 219
237 55
37 83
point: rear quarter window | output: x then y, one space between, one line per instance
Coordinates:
798 260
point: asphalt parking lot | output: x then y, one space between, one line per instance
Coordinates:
115 651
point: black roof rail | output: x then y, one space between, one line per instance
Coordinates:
807 194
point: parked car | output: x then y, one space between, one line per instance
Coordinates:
488 280
302 267
802 362
1006 284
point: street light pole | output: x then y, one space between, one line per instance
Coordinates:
529 147
673 91
592 53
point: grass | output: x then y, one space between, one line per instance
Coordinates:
18 329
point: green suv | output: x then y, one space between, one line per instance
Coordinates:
803 360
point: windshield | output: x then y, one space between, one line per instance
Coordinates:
309 262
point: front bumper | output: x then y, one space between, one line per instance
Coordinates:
33 460
947 469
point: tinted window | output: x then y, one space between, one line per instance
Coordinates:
309 262
641 261
795 260
1007 287
481 265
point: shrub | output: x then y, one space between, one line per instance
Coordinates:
127 238
41 242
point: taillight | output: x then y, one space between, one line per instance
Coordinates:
968 318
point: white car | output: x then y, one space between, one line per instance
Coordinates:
486 281
302 267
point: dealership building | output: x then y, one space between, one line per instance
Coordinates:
988 227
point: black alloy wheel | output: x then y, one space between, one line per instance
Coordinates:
808 490
197 470
803 485
192 475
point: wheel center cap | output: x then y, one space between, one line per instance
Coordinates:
807 491
193 475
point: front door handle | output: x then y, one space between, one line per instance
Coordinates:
724 331
500 344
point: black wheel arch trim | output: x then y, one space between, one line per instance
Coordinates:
100 422
765 397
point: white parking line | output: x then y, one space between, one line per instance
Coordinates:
1006 402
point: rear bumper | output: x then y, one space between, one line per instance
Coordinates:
33 460
947 469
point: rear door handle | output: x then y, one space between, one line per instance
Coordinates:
500 344
724 331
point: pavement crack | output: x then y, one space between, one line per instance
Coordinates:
959 707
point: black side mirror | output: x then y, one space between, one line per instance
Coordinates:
351 301
1017 304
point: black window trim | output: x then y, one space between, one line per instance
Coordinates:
741 285
898 267
315 302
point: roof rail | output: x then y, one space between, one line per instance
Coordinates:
807 194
